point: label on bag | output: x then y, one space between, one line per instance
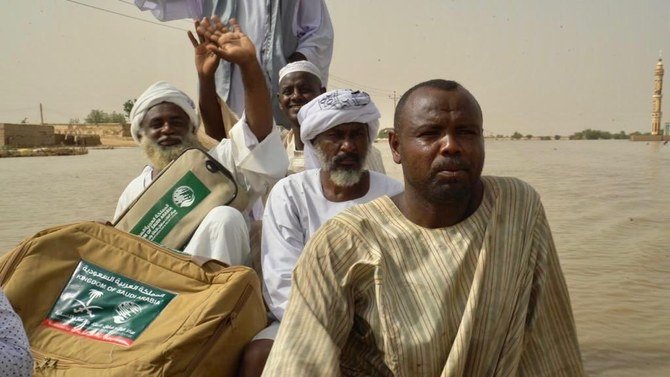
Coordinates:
102 305
177 202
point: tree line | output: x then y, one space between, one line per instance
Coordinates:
97 116
587 134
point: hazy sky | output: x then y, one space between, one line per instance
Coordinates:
536 66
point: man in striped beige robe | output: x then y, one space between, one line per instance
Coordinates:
457 276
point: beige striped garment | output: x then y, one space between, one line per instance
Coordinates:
376 295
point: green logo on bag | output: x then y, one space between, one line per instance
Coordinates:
101 305
185 195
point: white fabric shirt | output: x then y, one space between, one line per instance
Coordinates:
314 30
15 358
255 166
251 15
295 209
311 25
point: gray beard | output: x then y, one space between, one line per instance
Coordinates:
346 178
161 156
342 177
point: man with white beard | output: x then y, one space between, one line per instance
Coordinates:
164 122
337 129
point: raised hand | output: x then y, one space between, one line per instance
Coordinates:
228 42
206 61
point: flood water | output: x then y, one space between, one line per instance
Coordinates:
608 203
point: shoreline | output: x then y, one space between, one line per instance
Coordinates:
114 142
60 150
43 152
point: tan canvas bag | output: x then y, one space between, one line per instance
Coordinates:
96 301
170 209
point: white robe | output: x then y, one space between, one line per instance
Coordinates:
295 209
311 26
256 166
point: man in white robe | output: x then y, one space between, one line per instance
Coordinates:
339 139
456 276
299 83
164 122
282 30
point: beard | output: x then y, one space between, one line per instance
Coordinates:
341 176
160 156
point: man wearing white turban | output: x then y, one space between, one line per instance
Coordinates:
299 83
164 123
337 129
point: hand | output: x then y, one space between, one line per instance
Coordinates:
228 42
206 61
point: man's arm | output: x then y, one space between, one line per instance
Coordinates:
319 316
234 46
550 341
281 246
206 63
315 36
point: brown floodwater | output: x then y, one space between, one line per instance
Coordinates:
608 203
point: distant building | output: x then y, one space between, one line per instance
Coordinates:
656 112
102 129
657 134
26 135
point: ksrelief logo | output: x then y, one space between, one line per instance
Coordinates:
175 203
183 196
125 311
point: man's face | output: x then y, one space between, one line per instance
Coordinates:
342 151
166 133
295 90
440 144
166 124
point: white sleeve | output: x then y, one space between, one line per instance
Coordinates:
124 201
314 30
15 358
129 194
257 166
281 246
120 207
168 10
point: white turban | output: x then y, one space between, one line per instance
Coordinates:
332 109
158 93
300 66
